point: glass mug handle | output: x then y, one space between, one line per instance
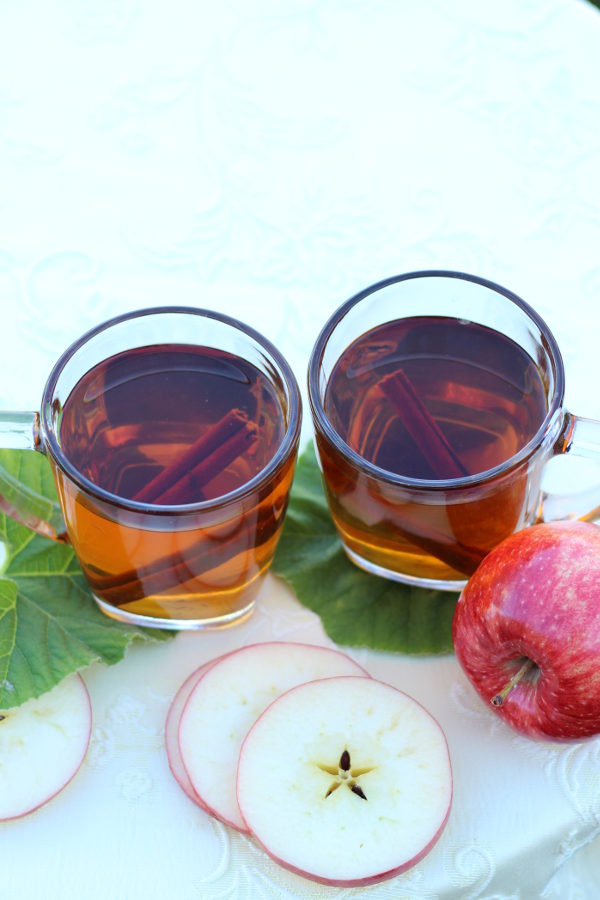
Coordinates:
579 437
21 431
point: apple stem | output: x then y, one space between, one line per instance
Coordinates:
498 699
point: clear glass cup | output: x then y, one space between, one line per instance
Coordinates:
168 565
430 531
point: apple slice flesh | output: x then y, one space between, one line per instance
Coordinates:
227 700
346 781
172 732
42 745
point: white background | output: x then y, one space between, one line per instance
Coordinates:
269 160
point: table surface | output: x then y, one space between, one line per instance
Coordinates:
269 160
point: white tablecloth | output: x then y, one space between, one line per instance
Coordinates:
269 160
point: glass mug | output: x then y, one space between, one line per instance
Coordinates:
437 399
172 529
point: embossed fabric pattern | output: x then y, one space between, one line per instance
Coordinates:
270 160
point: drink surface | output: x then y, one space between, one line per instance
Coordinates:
137 413
174 425
435 397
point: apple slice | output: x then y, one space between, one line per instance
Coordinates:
172 731
42 745
227 700
346 781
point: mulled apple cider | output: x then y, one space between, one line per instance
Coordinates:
436 403
172 434
435 398
174 425
432 398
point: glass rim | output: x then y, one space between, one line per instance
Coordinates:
322 421
51 444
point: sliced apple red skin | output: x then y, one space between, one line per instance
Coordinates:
73 773
176 708
360 882
369 879
201 800
537 596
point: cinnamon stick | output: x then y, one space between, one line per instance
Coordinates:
206 447
206 554
460 557
421 426
194 481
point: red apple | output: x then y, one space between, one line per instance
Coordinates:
527 630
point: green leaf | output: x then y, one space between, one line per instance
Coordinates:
8 623
357 609
26 482
50 625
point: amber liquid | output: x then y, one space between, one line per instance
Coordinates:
479 395
133 417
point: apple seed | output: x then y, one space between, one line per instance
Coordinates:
356 789
343 773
